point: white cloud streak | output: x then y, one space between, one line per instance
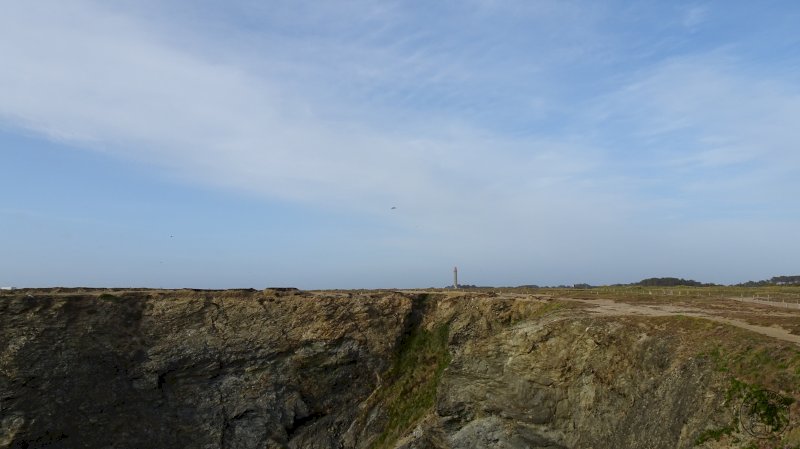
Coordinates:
87 74
694 16
96 78
730 131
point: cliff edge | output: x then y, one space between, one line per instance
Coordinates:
290 369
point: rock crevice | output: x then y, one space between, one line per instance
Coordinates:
288 369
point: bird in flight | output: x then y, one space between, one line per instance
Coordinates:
394 207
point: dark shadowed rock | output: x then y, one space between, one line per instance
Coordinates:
281 368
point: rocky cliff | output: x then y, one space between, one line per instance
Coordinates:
288 369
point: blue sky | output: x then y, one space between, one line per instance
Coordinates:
250 144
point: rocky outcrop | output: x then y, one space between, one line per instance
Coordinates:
191 369
561 383
287 369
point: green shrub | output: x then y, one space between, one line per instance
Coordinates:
413 381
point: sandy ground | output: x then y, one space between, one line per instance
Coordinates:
746 306
608 307
779 304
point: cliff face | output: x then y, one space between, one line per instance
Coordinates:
563 383
246 369
191 370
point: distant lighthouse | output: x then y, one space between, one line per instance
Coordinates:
455 277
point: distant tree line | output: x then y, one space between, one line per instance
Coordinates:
775 280
468 286
671 282
656 282
780 280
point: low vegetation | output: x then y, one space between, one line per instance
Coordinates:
772 409
410 391
764 380
714 434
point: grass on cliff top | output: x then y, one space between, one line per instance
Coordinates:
787 292
761 370
412 382
753 358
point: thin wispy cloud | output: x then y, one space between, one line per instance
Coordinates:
705 118
520 127
97 78
694 16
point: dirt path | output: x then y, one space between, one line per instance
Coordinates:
607 307
791 305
